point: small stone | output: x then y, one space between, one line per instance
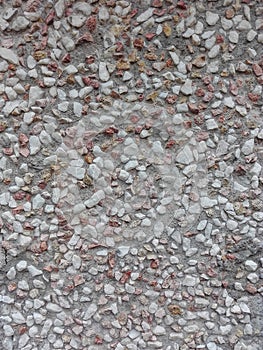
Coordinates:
211 18
211 346
251 265
231 225
18 318
9 55
190 281
109 289
103 72
253 278
21 265
185 156
244 25
214 51
228 101
76 172
77 20
91 310
202 225
222 148
52 307
174 57
248 147
34 271
199 61
225 329
95 199
145 15
233 37
34 145
103 14
226 23
59 8
8 330
11 274
68 43
251 35
35 93
211 124
38 202
206 202
186 88
122 251
20 23
159 330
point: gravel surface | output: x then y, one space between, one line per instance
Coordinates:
131 152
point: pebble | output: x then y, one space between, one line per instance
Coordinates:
145 15
186 88
103 72
95 199
211 18
91 310
53 307
185 156
251 265
9 55
248 147
20 23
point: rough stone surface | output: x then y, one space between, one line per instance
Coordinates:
131 175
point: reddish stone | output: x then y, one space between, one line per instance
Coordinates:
250 288
216 112
66 58
181 5
210 88
171 99
193 108
170 144
208 97
219 39
202 136
221 119
187 124
134 13
91 23
154 264
24 151
257 69
233 88
53 66
200 92
19 195
50 17
138 43
119 46
23 139
253 97
28 226
90 59
159 12
111 130
157 3
141 97
149 36
126 275
87 37
98 340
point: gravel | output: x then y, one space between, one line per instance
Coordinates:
131 175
